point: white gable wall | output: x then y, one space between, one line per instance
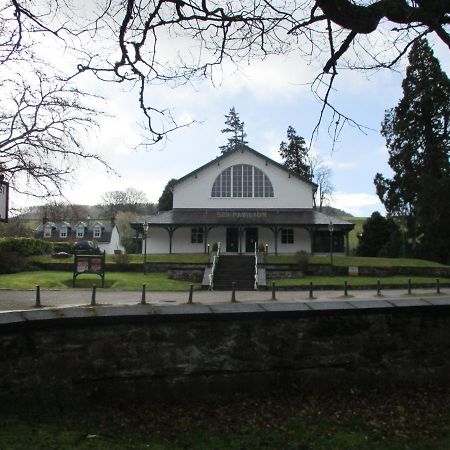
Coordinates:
114 244
289 192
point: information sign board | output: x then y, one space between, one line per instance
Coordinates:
89 264
4 191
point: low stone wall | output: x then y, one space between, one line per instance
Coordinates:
159 353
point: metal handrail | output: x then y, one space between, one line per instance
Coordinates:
213 268
256 266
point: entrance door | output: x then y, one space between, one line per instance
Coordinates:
251 237
232 240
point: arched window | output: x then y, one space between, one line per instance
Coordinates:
242 181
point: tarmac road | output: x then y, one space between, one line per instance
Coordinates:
13 300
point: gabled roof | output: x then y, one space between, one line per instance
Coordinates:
242 148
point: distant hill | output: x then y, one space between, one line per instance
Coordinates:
335 212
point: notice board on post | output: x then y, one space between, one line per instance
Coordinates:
94 264
4 193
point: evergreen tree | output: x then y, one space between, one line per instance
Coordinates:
295 154
380 237
165 202
235 127
417 133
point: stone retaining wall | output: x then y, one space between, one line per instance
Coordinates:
159 353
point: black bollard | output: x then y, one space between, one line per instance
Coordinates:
345 288
38 297
94 289
311 294
233 292
409 286
273 292
191 293
378 288
438 287
143 294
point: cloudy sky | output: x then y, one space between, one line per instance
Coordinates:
269 96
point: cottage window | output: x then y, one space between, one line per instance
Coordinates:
63 232
97 231
287 236
242 181
80 231
47 231
196 235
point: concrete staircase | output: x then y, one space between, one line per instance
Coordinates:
237 268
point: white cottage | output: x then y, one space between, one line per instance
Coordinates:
105 235
242 199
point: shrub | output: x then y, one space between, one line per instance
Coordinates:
121 258
11 262
302 259
214 247
26 246
261 247
62 247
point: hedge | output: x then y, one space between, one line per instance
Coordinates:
26 246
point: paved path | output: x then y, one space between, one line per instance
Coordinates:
25 299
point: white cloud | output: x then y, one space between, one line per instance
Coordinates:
358 204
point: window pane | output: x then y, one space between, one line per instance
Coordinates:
268 189
242 180
237 180
247 181
259 183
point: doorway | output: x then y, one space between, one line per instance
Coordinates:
232 240
251 238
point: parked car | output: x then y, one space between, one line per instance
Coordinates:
61 255
85 247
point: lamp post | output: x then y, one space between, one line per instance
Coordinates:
145 229
330 229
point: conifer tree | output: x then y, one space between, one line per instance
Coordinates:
235 127
295 154
417 133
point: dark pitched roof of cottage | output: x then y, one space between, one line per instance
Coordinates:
105 236
245 148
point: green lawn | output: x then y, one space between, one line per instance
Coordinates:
127 281
361 261
187 258
413 420
354 281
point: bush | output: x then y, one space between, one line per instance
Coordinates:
302 259
26 246
261 247
11 262
214 247
62 247
121 258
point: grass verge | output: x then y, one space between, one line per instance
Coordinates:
181 258
360 261
355 281
126 281
402 420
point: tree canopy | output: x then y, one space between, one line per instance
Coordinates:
380 237
126 41
235 128
417 133
295 154
165 202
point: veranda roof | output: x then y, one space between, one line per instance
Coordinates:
243 217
